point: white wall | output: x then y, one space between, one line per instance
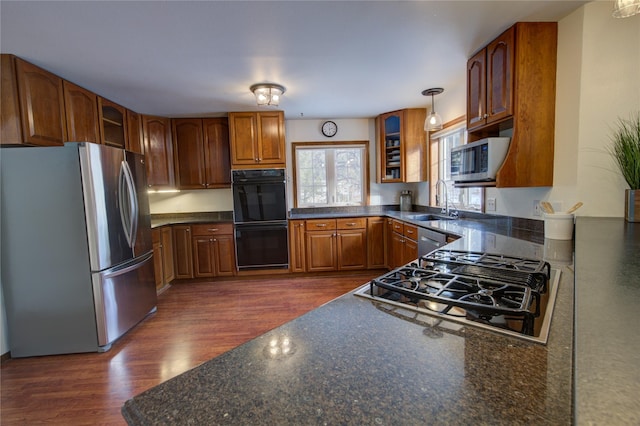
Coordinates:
202 200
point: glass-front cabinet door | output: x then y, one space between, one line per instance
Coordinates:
391 148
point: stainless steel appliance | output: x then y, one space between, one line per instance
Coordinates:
510 295
478 161
260 219
77 270
429 240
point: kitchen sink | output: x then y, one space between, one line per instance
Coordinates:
428 217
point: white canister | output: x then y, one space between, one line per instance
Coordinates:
558 226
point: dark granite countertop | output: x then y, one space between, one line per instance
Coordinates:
351 362
607 340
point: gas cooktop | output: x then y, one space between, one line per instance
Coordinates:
509 295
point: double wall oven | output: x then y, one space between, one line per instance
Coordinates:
260 218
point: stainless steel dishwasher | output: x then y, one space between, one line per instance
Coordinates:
429 241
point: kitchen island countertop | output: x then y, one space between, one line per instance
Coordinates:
353 362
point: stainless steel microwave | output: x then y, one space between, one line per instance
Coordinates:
478 161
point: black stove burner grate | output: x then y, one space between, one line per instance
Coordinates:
530 272
480 297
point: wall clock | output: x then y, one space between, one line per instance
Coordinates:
329 128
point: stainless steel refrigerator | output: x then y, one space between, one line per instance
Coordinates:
76 253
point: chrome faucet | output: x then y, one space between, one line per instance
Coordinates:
445 209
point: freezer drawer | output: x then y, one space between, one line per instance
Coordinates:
123 296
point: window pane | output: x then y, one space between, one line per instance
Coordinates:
330 176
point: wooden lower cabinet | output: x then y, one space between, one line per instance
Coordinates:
336 244
163 256
213 250
297 251
403 244
375 242
183 259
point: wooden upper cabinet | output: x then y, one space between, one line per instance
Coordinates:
476 90
520 67
490 82
113 123
188 153
32 105
500 77
81 112
201 150
402 152
217 162
158 151
257 139
134 132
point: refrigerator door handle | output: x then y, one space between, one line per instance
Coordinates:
128 190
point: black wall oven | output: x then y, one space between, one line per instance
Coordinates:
260 218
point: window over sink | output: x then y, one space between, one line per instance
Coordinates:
453 134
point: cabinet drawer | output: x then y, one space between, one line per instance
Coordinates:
398 226
321 224
352 223
212 229
410 231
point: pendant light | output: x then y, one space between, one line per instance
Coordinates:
433 121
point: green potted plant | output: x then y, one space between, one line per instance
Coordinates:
625 149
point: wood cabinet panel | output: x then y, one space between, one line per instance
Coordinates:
134 132
162 256
217 162
297 251
402 153
257 139
352 249
375 242
113 123
476 90
500 77
321 251
10 121
225 255
158 151
182 255
41 100
188 153
519 73
167 254
203 257
213 250
271 139
201 153
81 112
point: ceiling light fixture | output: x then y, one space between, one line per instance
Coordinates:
267 93
433 121
625 8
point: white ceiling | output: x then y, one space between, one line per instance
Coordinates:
337 59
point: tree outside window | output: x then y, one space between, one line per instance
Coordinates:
330 175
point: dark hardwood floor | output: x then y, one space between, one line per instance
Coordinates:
194 323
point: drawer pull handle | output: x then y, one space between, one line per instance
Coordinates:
351 224
321 225
213 229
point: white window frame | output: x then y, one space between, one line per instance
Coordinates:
458 197
331 178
